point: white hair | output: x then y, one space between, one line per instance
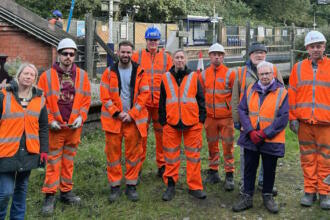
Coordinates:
20 70
265 64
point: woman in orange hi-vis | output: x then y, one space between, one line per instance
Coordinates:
67 91
124 93
182 113
309 89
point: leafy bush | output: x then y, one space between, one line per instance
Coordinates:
12 65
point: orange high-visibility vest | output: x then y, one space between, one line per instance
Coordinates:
181 100
111 102
154 67
309 91
50 84
265 114
15 121
217 84
242 78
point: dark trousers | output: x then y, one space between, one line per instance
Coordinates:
251 162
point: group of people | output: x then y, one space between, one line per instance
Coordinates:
150 85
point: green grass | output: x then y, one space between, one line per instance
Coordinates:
91 184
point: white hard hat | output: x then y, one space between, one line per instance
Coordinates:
314 37
217 48
66 43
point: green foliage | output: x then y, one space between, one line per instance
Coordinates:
12 65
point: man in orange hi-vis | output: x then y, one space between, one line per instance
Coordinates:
309 89
155 63
67 92
182 113
124 94
217 81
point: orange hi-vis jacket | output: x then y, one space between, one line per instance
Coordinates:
50 84
111 101
181 100
217 83
15 121
242 79
309 92
154 67
265 114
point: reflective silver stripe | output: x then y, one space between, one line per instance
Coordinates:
49 82
140 56
308 105
213 138
228 157
105 114
116 183
13 115
8 105
131 182
55 152
114 89
218 91
154 88
106 86
306 152
75 111
216 105
72 149
171 161
53 162
326 156
220 80
251 113
108 104
84 110
140 121
155 71
52 184
193 160
170 84
186 88
323 146
192 149
229 140
227 79
299 71
32 113
171 150
68 157
265 119
212 163
82 92
144 88
56 114
310 82
32 136
164 61
304 143
10 140
277 105
66 180
133 163
51 92
81 82
114 163
229 165
138 107
204 75
294 89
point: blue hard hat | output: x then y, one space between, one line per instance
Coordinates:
152 33
57 13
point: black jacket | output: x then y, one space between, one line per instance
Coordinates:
199 97
23 160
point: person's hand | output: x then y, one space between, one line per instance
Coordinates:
294 126
122 115
237 125
127 118
262 135
3 84
55 125
77 122
43 157
255 137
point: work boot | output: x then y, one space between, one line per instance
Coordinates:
245 202
212 177
261 186
114 193
308 199
199 194
70 198
131 193
49 204
161 171
325 202
269 202
229 181
170 191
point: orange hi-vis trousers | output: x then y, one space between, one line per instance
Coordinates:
133 149
314 141
63 146
224 127
158 131
192 140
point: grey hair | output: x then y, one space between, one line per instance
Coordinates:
20 70
265 64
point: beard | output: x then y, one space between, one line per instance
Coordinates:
125 60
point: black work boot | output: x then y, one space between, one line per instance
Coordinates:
261 186
49 204
199 194
269 202
170 191
308 199
245 202
114 193
229 181
131 193
325 202
212 177
161 171
70 198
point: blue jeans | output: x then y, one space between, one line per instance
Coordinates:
13 184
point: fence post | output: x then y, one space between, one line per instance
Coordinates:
89 45
220 25
181 38
247 40
292 58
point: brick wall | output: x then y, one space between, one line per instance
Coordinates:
15 42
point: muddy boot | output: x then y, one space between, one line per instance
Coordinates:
325 202
70 198
131 193
170 191
245 202
308 199
161 171
114 193
49 204
212 177
229 181
199 194
269 202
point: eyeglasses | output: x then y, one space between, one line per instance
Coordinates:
265 74
153 40
65 54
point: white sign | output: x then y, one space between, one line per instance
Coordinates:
123 31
